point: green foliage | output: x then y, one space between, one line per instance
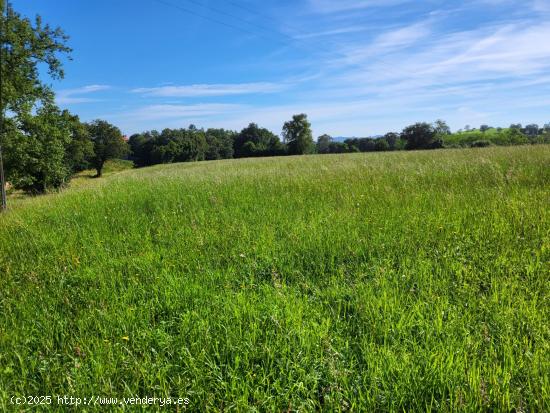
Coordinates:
297 135
339 147
34 145
542 138
323 143
80 150
352 145
393 140
141 147
411 281
422 136
441 128
180 145
363 144
509 136
36 149
26 46
117 165
381 145
481 144
219 144
108 143
152 148
254 141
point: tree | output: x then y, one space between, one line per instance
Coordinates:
36 150
108 143
338 147
192 143
366 144
220 144
441 128
484 128
297 135
27 47
323 143
180 145
531 130
421 136
392 139
80 149
256 141
381 145
353 144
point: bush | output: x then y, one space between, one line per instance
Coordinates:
481 144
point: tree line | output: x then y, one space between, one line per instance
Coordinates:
192 144
43 146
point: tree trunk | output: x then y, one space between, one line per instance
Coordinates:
99 170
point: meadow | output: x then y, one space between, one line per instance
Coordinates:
398 281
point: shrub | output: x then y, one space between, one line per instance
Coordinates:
481 144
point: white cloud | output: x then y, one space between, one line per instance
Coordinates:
326 33
168 111
388 42
203 90
73 96
515 50
541 6
384 78
496 57
335 6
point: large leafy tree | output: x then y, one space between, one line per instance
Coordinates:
298 136
36 133
220 144
180 145
80 149
441 128
108 144
421 136
37 149
141 147
392 138
532 130
256 141
45 148
323 143
27 46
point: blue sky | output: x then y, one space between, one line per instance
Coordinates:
356 67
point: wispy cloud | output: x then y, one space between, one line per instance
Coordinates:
334 6
325 33
366 67
541 6
203 90
387 42
167 111
73 96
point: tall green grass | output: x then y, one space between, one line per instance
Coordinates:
367 282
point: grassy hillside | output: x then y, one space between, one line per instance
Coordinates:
389 282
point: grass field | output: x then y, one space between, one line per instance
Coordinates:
406 281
